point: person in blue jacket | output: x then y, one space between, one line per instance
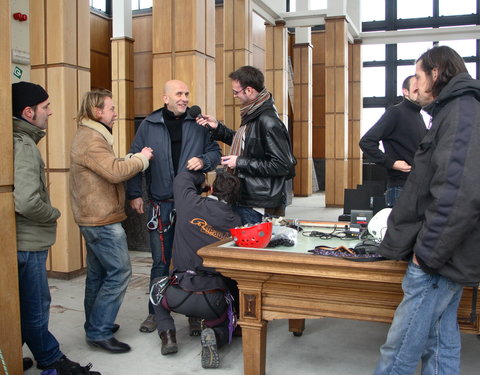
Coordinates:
179 144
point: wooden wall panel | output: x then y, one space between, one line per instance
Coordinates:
61 29
143 70
37 33
258 42
65 254
61 125
210 28
10 336
336 108
100 33
101 71
162 29
302 55
355 108
143 102
83 44
190 25
142 32
100 50
219 65
143 65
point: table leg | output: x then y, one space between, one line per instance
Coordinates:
254 346
296 326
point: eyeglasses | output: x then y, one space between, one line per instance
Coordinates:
235 92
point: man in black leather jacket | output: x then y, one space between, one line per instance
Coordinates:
261 154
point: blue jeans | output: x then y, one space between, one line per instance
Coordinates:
35 306
161 245
108 273
248 215
392 194
424 327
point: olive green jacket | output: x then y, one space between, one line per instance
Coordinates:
36 219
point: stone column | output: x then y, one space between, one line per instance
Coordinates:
183 47
60 62
10 335
276 74
122 76
336 110
302 114
354 116
237 31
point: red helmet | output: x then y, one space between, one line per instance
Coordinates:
255 236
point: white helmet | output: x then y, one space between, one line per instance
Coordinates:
377 226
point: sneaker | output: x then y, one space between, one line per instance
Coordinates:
210 358
149 324
195 326
66 367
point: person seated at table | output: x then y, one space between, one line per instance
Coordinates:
195 290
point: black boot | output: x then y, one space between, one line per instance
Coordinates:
27 363
66 367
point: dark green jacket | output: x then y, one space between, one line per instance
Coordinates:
36 219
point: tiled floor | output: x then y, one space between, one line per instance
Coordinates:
328 346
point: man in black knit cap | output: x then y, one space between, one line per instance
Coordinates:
401 128
36 224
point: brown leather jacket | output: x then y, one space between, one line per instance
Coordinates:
97 175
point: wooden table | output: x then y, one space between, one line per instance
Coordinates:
290 283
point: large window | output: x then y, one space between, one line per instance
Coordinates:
385 66
141 4
99 5
314 4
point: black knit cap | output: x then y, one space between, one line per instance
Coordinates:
26 94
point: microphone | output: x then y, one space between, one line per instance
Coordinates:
195 111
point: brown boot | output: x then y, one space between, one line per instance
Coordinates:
195 326
169 341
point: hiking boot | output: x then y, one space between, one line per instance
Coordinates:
195 325
149 324
66 367
210 358
169 342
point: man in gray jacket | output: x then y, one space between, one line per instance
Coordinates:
36 223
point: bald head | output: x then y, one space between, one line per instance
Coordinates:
175 96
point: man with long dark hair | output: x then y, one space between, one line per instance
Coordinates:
434 224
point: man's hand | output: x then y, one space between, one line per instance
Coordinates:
402 166
230 161
137 205
195 164
147 152
207 121
414 260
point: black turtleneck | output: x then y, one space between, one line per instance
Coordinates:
106 127
174 126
